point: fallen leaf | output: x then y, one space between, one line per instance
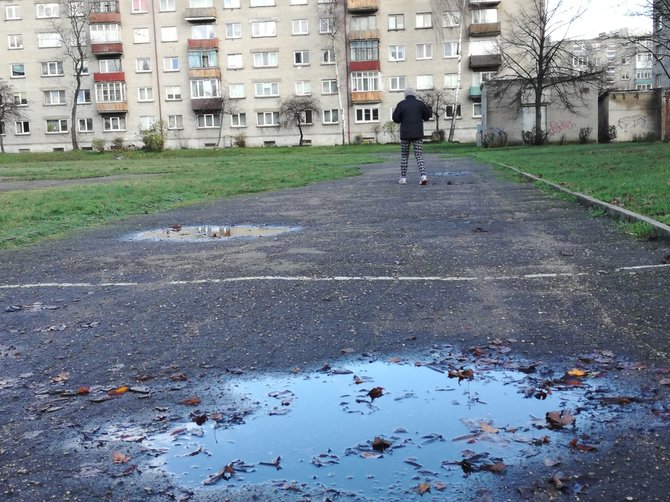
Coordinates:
83 390
461 374
394 360
192 401
497 467
118 391
423 488
581 446
379 444
226 473
61 377
576 372
347 351
487 428
439 485
559 419
200 419
376 392
120 458
178 377
664 381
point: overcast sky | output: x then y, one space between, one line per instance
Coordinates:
606 15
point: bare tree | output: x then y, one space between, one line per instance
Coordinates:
72 26
333 13
9 109
440 100
656 44
538 60
296 111
228 107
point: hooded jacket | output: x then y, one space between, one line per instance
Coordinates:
410 113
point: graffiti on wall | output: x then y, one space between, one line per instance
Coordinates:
558 126
632 123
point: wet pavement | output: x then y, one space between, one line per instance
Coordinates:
108 342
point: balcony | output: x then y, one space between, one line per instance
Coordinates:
482 3
104 17
486 61
205 43
201 14
484 29
206 104
364 65
116 76
108 49
204 73
364 35
115 107
366 97
363 6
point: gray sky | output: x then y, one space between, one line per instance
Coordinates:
606 15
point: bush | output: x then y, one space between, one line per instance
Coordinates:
611 133
154 137
437 136
584 134
240 140
117 145
494 137
392 130
99 144
530 138
358 139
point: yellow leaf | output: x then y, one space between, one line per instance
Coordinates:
118 391
576 372
488 428
120 458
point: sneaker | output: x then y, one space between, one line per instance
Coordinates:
424 180
402 181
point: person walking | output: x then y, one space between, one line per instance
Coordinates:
411 113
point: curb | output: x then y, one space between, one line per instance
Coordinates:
661 230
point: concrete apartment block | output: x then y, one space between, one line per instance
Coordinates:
184 61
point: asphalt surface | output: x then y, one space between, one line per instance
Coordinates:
375 267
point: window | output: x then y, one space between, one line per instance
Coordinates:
450 49
235 61
642 87
366 114
203 59
141 35
85 125
643 57
171 63
173 93
303 88
328 56
265 59
476 109
450 80
46 40
238 120
233 30
396 22
204 88
451 19
103 7
167 5
362 81
15 41
138 6
261 3
169 34
424 51
301 58
482 16
266 89
142 65
264 29
18 70
397 83
84 68
363 23
236 91
102 33
22 127
482 76
202 32
20 99
109 65
580 60
114 123
325 25
298 2
231 4
110 92
147 122
364 50
424 20
56 126
450 111
643 74
306 117
12 12
329 87
396 52
625 76
331 116
300 27
46 10
208 120
424 82
267 119
54 97
84 97
195 4
175 122
484 47
52 69
145 94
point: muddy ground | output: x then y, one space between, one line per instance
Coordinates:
470 261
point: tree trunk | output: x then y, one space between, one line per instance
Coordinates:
300 129
73 114
539 133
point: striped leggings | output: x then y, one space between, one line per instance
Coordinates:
418 155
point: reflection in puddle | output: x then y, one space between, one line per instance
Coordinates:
325 430
210 233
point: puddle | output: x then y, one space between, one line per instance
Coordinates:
211 233
430 424
452 173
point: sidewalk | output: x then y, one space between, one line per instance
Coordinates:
375 267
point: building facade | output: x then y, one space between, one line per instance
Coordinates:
215 72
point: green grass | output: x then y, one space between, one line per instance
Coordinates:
178 178
632 175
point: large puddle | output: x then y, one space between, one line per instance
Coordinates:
383 430
210 233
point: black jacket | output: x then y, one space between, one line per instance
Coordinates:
410 113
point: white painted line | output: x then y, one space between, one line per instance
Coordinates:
303 278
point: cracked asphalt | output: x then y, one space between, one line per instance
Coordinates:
375 268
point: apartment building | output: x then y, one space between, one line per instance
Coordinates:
216 71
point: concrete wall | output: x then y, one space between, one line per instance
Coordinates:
634 114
